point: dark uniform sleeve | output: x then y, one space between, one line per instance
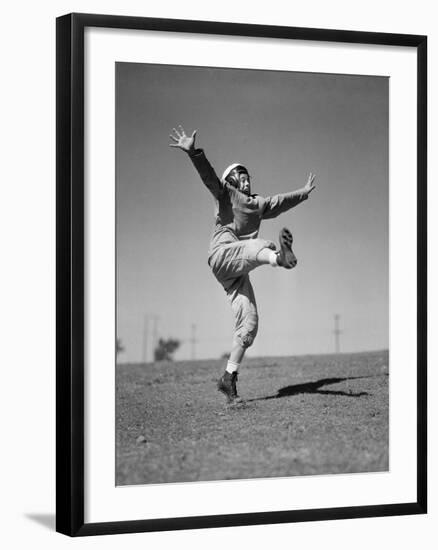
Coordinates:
277 204
206 172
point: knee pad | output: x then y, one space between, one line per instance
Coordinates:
246 340
245 312
248 331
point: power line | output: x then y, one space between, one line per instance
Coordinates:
155 319
149 337
145 338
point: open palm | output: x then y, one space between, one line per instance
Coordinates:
310 186
182 140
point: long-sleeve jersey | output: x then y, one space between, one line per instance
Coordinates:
238 216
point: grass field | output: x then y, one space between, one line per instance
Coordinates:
306 415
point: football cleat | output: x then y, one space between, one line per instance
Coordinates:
285 257
227 386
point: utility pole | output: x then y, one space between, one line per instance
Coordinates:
337 332
145 338
193 341
154 334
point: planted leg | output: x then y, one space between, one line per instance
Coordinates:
236 356
244 307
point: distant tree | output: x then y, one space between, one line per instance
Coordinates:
165 349
119 346
225 355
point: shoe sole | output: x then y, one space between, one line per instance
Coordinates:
287 257
232 401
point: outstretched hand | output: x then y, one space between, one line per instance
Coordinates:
183 141
310 186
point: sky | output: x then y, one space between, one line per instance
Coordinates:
281 125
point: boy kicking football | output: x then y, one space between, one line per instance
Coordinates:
235 248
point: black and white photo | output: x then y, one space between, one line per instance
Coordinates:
252 258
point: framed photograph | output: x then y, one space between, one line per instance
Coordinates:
241 274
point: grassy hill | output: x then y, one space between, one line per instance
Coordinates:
323 414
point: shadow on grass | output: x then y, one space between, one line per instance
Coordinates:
315 387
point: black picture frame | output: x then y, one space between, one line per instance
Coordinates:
70 273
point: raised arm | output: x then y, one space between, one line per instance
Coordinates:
205 170
277 204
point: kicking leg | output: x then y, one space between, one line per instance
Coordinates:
267 256
237 259
284 257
